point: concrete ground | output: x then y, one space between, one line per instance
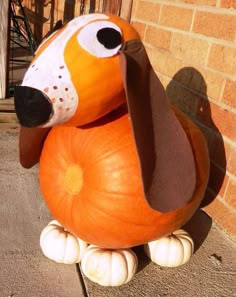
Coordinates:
25 272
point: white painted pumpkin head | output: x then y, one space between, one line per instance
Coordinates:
75 76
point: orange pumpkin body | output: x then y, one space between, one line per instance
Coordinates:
90 179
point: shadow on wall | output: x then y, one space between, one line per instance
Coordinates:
188 91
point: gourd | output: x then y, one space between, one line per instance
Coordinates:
171 251
61 246
109 267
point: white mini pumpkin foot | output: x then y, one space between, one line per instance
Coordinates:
60 245
171 251
109 267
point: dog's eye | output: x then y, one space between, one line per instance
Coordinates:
101 39
109 37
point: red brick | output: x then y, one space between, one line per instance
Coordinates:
147 11
220 26
190 49
140 28
217 118
158 37
213 83
176 17
223 215
166 63
228 3
230 195
229 96
223 58
231 161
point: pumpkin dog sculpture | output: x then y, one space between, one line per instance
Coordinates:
119 166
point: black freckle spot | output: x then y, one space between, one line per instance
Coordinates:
66 89
109 37
55 87
62 67
36 69
61 99
59 76
33 65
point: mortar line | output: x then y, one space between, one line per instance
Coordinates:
193 20
202 8
160 13
192 34
222 200
205 96
81 280
205 67
218 3
222 91
226 107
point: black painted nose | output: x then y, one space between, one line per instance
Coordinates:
33 107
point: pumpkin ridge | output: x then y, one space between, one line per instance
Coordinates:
171 247
126 266
104 156
104 191
101 210
114 151
184 250
111 197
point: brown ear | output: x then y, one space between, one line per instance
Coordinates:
165 155
31 142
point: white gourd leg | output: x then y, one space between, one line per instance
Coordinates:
60 245
171 251
108 267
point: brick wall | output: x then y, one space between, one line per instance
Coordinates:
192 46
